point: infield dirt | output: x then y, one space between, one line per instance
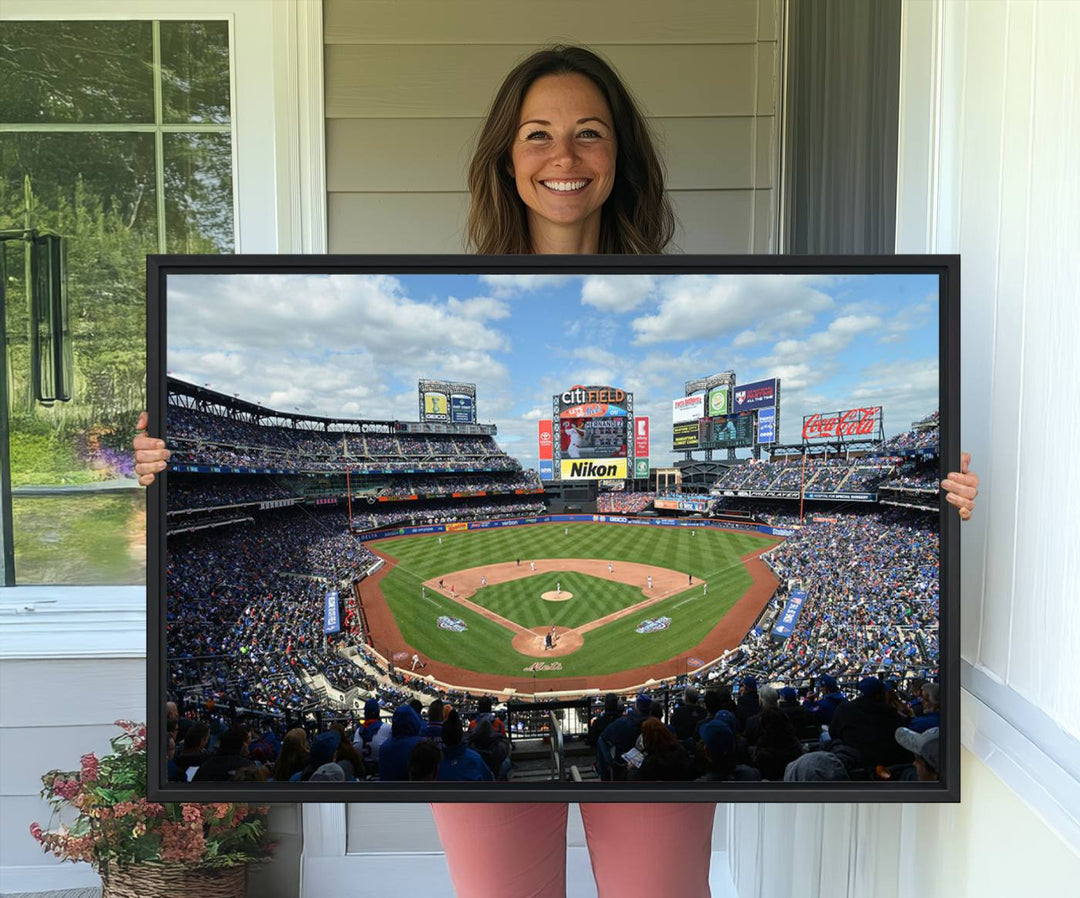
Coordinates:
727 633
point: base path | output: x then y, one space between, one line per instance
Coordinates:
728 632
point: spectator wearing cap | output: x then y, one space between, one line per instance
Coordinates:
926 748
816 767
619 737
612 711
748 703
868 724
793 711
330 772
930 717
433 729
484 712
459 762
404 734
323 748
366 730
831 698
721 758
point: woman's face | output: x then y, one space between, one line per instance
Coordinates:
563 155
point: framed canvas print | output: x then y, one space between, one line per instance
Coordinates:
554 528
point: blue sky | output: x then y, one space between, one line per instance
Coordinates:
355 345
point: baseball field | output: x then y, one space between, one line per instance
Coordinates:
621 603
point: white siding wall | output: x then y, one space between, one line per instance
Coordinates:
989 143
408 82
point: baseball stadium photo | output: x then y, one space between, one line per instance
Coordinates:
551 529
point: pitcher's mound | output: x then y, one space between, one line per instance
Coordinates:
554 596
532 644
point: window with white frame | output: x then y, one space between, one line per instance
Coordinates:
116 135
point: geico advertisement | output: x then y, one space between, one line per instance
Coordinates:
593 469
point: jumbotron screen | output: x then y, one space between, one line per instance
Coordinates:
413 543
596 433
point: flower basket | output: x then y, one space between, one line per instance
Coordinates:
173 881
144 849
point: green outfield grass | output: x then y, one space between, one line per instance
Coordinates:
520 600
486 646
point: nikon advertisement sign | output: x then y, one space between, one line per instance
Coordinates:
593 469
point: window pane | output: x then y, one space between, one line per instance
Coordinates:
98 191
76 72
81 539
198 193
195 72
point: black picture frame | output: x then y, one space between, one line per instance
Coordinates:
947 789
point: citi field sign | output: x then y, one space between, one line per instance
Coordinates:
593 402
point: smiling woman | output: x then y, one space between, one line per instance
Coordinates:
565 164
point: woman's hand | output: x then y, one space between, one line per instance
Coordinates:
150 453
962 487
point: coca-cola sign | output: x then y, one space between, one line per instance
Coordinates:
855 422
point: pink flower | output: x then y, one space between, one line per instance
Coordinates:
65 788
89 768
192 813
181 842
37 832
150 808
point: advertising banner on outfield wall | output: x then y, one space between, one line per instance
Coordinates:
759 394
545 440
593 469
690 408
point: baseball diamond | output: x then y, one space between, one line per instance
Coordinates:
595 628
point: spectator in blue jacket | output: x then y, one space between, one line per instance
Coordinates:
460 762
404 734
823 709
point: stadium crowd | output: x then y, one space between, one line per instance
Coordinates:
822 475
199 437
872 730
190 491
619 502
871 583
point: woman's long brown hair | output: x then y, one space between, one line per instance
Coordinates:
636 218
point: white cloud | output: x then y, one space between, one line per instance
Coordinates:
617 293
516 284
479 308
822 346
718 305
